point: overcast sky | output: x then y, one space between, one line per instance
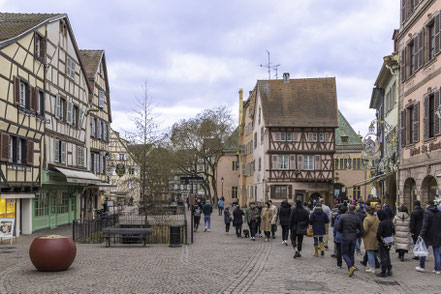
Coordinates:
196 54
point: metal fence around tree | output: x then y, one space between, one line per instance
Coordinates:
157 216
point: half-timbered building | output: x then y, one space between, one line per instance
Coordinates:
293 126
22 115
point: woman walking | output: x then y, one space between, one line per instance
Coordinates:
402 232
267 215
227 220
238 220
284 213
318 220
298 222
370 226
337 236
385 234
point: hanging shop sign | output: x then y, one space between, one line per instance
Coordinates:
426 148
120 169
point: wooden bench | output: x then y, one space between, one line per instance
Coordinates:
120 233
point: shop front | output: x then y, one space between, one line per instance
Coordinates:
15 208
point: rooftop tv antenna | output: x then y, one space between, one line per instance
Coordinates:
269 66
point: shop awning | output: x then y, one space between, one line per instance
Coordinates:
371 180
17 195
80 177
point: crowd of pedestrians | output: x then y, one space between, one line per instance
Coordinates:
354 226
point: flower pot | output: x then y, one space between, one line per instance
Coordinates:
52 253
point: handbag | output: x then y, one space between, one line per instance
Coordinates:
309 232
420 248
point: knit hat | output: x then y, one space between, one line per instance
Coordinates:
417 203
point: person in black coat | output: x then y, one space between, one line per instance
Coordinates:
298 223
238 220
227 220
388 211
284 213
416 222
318 220
431 234
385 234
361 215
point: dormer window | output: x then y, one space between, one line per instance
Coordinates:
344 138
39 47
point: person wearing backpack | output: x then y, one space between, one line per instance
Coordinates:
207 209
220 205
197 210
385 239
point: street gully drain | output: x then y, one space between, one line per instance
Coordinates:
306 286
388 283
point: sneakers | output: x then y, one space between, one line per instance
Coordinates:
370 270
205 229
339 266
283 242
436 272
419 269
266 239
208 230
382 274
351 271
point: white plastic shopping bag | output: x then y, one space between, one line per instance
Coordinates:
420 248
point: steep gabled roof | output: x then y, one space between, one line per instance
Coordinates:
91 60
13 25
345 130
308 102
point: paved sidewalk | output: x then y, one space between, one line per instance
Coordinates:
215 263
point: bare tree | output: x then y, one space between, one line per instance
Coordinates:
199 143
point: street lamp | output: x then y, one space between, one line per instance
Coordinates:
222 180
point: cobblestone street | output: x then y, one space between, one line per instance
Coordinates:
215 263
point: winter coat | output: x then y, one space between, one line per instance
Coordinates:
327 211
402 239
238 216
388 212
284 212
220 203
386 227
416 221
207 209
370 227
298 220
431 230
318 219
360 214
227 216
266 216
274 212
337 234
248 214
350 227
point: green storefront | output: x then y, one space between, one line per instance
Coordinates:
57 203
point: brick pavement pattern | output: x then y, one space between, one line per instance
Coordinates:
215 263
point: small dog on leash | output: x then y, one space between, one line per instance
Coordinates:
246 233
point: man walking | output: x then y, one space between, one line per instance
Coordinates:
273 219
207 209
252 214
327 210
416 222
220 205
431 234
298 222
350 228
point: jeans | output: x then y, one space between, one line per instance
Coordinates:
384 257
227 227
338 253
437 257
239 230
253 228
296 240
207 219
347 251
365 258
317 240
221 208
371 257
285 232
357 245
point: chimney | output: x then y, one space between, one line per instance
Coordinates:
286 77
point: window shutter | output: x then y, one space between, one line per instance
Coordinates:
437 32
300 162
274 161
69 112
4 146
277 136
16 91
421 48
292 162
426 121
80 118
32 100
42 46
403 64
403 10
436 103
416 123
29 152
57 107
63 152
317 163
56 151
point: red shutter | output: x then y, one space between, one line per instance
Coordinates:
437 120
4 147
318 163
16 90
300 162
292 162
426 121
403 128
29 152
416 123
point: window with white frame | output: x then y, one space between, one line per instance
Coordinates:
283 162
308 162
80 156
23 87
322 137
70 68
101 99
